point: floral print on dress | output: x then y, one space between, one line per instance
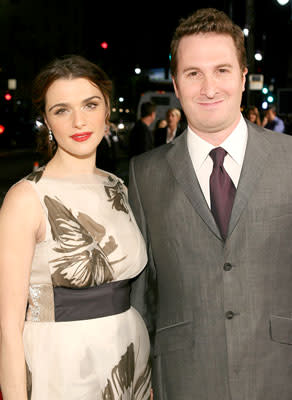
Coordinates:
36 175
120 386
116 194
83 261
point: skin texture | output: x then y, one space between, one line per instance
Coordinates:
209 84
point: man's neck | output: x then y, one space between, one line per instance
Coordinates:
147 120
216 138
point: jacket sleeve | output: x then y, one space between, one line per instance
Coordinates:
144 289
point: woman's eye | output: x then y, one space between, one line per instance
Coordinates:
60 111
91 105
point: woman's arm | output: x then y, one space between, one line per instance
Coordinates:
20 224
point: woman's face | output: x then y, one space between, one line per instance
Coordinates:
75 111
252 116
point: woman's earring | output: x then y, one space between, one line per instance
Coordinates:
50 135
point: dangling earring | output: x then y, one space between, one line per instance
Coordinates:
50 135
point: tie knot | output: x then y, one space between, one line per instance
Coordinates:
218 154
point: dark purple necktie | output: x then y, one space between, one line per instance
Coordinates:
222 191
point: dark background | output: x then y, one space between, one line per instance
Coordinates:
33 32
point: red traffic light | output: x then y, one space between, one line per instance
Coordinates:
7 96
104 45
2 129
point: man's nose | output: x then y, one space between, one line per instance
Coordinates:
209 86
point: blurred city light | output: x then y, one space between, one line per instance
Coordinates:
2 129
283 2
121 99
138 71
7 96
38 123
270 99
104 45
121 126
258 56
265 105
265 90
245 32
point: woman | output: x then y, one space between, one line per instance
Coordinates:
171 130
68 246
253 115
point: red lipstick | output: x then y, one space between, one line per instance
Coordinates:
81 137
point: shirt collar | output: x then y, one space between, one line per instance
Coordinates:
234 144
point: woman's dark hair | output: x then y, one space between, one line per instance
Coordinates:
67 67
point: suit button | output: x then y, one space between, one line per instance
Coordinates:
229 314
227 267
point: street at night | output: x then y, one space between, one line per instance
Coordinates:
145 241
14 165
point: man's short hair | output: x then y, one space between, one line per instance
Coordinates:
147 109
208 20
273 109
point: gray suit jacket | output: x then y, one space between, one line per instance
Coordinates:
221 313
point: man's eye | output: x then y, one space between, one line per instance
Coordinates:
193 74
60 111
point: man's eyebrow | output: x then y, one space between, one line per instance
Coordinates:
187 69
66 104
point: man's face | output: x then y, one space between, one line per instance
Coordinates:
209 82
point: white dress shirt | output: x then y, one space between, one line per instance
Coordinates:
199 149
170 135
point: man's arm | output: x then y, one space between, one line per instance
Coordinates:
143 293
279 126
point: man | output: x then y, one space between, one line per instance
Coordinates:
106 152
140 139
172 129
217 294
272 122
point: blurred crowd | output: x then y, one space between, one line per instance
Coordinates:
148 132
268 120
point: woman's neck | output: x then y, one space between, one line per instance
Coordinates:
64 164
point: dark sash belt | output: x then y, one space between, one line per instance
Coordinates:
95 302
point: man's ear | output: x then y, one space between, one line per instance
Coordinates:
245 71
175 86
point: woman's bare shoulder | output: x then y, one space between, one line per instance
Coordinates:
21 197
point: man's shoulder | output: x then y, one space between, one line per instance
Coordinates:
157 156
140 125
275 138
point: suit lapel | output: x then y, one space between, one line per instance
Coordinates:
182 168
256 155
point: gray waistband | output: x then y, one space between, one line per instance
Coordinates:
100 301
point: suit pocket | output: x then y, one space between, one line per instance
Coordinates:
173 337
173 368
281 329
